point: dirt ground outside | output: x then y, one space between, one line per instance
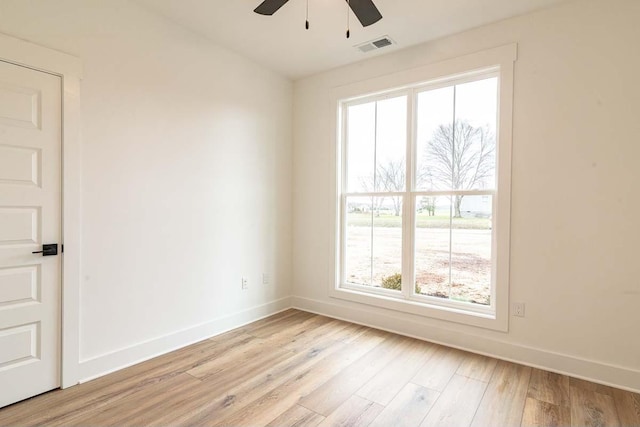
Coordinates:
468 264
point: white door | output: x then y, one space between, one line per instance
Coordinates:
30 216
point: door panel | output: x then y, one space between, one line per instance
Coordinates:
18 345
30 215
20 106
19 285
19 226
19 165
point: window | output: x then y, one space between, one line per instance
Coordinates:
422 216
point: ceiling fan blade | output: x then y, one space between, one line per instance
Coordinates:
366 12
269 7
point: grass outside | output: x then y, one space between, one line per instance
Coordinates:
422 221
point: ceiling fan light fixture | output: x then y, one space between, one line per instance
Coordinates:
365 10
348 32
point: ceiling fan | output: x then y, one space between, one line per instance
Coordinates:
366 12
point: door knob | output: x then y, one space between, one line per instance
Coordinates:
48 250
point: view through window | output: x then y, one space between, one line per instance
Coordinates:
418 182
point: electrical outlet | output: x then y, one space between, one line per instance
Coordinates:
245 283
518 309
265 279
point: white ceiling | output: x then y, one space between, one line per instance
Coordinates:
281 43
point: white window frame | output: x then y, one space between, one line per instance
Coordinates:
497 62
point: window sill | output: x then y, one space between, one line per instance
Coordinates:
456 313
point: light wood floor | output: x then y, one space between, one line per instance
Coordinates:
300 369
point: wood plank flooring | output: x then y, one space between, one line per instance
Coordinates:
301 369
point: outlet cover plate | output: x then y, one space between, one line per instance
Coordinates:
518 309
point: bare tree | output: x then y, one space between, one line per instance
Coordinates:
459 157
391 178
367 184
428 204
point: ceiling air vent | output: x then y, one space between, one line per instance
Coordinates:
378 43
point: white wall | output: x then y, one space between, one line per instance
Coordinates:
575 200
186 178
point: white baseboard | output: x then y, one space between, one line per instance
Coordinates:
119 359
590 370
595 371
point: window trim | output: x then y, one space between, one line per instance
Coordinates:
490 62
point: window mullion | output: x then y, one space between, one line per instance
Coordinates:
375 185
343 186
455 193
343 238
408 202
452 199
